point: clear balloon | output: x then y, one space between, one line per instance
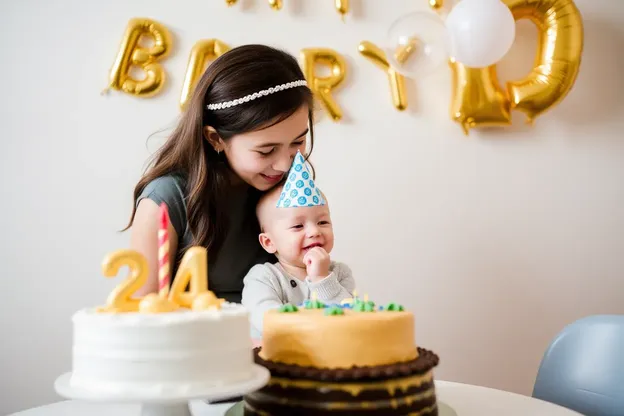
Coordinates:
481 32
417 44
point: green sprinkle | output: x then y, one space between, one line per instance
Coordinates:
313 304
362 306
288 308
394 307
334 310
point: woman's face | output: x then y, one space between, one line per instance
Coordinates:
261 158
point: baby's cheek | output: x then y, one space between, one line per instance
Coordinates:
295 245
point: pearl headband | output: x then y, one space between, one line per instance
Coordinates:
251 97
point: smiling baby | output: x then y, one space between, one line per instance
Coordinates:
296 226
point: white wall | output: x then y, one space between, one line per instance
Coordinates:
495 241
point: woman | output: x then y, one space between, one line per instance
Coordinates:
249 114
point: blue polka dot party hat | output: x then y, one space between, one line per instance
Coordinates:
300 189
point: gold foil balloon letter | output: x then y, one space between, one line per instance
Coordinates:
478 100
323 86
342 7
275 4
202 52
397 81
558 55
436 4
132 54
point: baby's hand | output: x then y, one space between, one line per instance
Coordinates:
316 261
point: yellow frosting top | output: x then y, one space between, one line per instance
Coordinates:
310 337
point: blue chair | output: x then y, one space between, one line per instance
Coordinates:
583 368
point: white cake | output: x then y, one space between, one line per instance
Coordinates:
172 353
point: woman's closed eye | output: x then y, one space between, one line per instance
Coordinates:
266 153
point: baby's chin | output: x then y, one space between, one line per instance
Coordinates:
292 261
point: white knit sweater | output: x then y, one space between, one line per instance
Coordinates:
268 286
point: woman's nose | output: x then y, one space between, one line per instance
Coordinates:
284 162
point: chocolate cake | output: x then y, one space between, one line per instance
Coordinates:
343 360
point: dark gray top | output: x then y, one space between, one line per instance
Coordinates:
240 250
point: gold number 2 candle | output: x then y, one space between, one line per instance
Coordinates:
120 299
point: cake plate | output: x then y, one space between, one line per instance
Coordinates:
165 403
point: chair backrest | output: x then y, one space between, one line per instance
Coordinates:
583 368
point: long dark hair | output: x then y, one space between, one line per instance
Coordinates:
237 73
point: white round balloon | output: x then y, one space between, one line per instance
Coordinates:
481 32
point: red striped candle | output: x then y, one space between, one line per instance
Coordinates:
164 275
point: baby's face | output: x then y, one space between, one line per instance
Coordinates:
291 232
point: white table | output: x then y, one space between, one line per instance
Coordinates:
465 399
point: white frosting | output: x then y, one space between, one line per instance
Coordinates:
167 352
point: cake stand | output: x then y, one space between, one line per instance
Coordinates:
162 402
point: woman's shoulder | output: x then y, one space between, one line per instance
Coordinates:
171 190
172 185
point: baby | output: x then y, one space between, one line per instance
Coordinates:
296 226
